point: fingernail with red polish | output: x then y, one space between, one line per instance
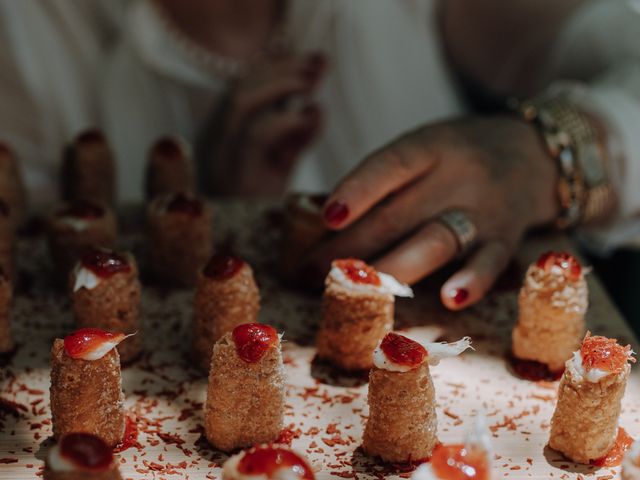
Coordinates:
336 213
459 295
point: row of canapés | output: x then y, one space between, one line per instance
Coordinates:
246 391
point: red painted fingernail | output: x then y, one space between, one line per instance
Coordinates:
336 213
459 295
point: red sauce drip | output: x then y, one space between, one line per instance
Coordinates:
402 350
455 462
83 209
534 371
614 457
358 271
90 136
223 267
86 451
87 340
181 203
604 354
130 437
570 265
168 148
269 460
253 340
105 263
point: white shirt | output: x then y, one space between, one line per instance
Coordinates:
69 64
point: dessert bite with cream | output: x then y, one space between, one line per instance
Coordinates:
267 463
358 275
599 357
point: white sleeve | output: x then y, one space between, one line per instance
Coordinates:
599 50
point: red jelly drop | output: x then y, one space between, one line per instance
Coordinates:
168 148
604 354
83 209
86 451
614 457
569 264
181 203
253 340
269 461
86 340
402 350
223 267
455 462
358 271
105 263
130 437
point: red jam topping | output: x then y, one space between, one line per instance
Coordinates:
358 271
86 340
105 263
271 460
402 350
83 209
253 340
604 354
223 267
455 462
614 457
86 451
569 264
168 148
181 203
90 136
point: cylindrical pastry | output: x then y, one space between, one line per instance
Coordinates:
88 171
105 293
6 300
11 185
631 463
7 241
180 237
357 312
81 456
584 426
86 386
267 463
245 396
226 296
303 228
402 420
469 461
169 168
552 304
75 228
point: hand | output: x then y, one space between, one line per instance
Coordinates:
495 169
268 121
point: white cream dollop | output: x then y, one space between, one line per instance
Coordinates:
388 284
381 361
105 347
57 463
593 375
439 350
85 278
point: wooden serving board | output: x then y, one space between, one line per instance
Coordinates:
326 413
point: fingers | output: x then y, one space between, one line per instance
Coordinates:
472 282
433 246
386 223
384 172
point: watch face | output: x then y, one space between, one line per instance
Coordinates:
590 156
